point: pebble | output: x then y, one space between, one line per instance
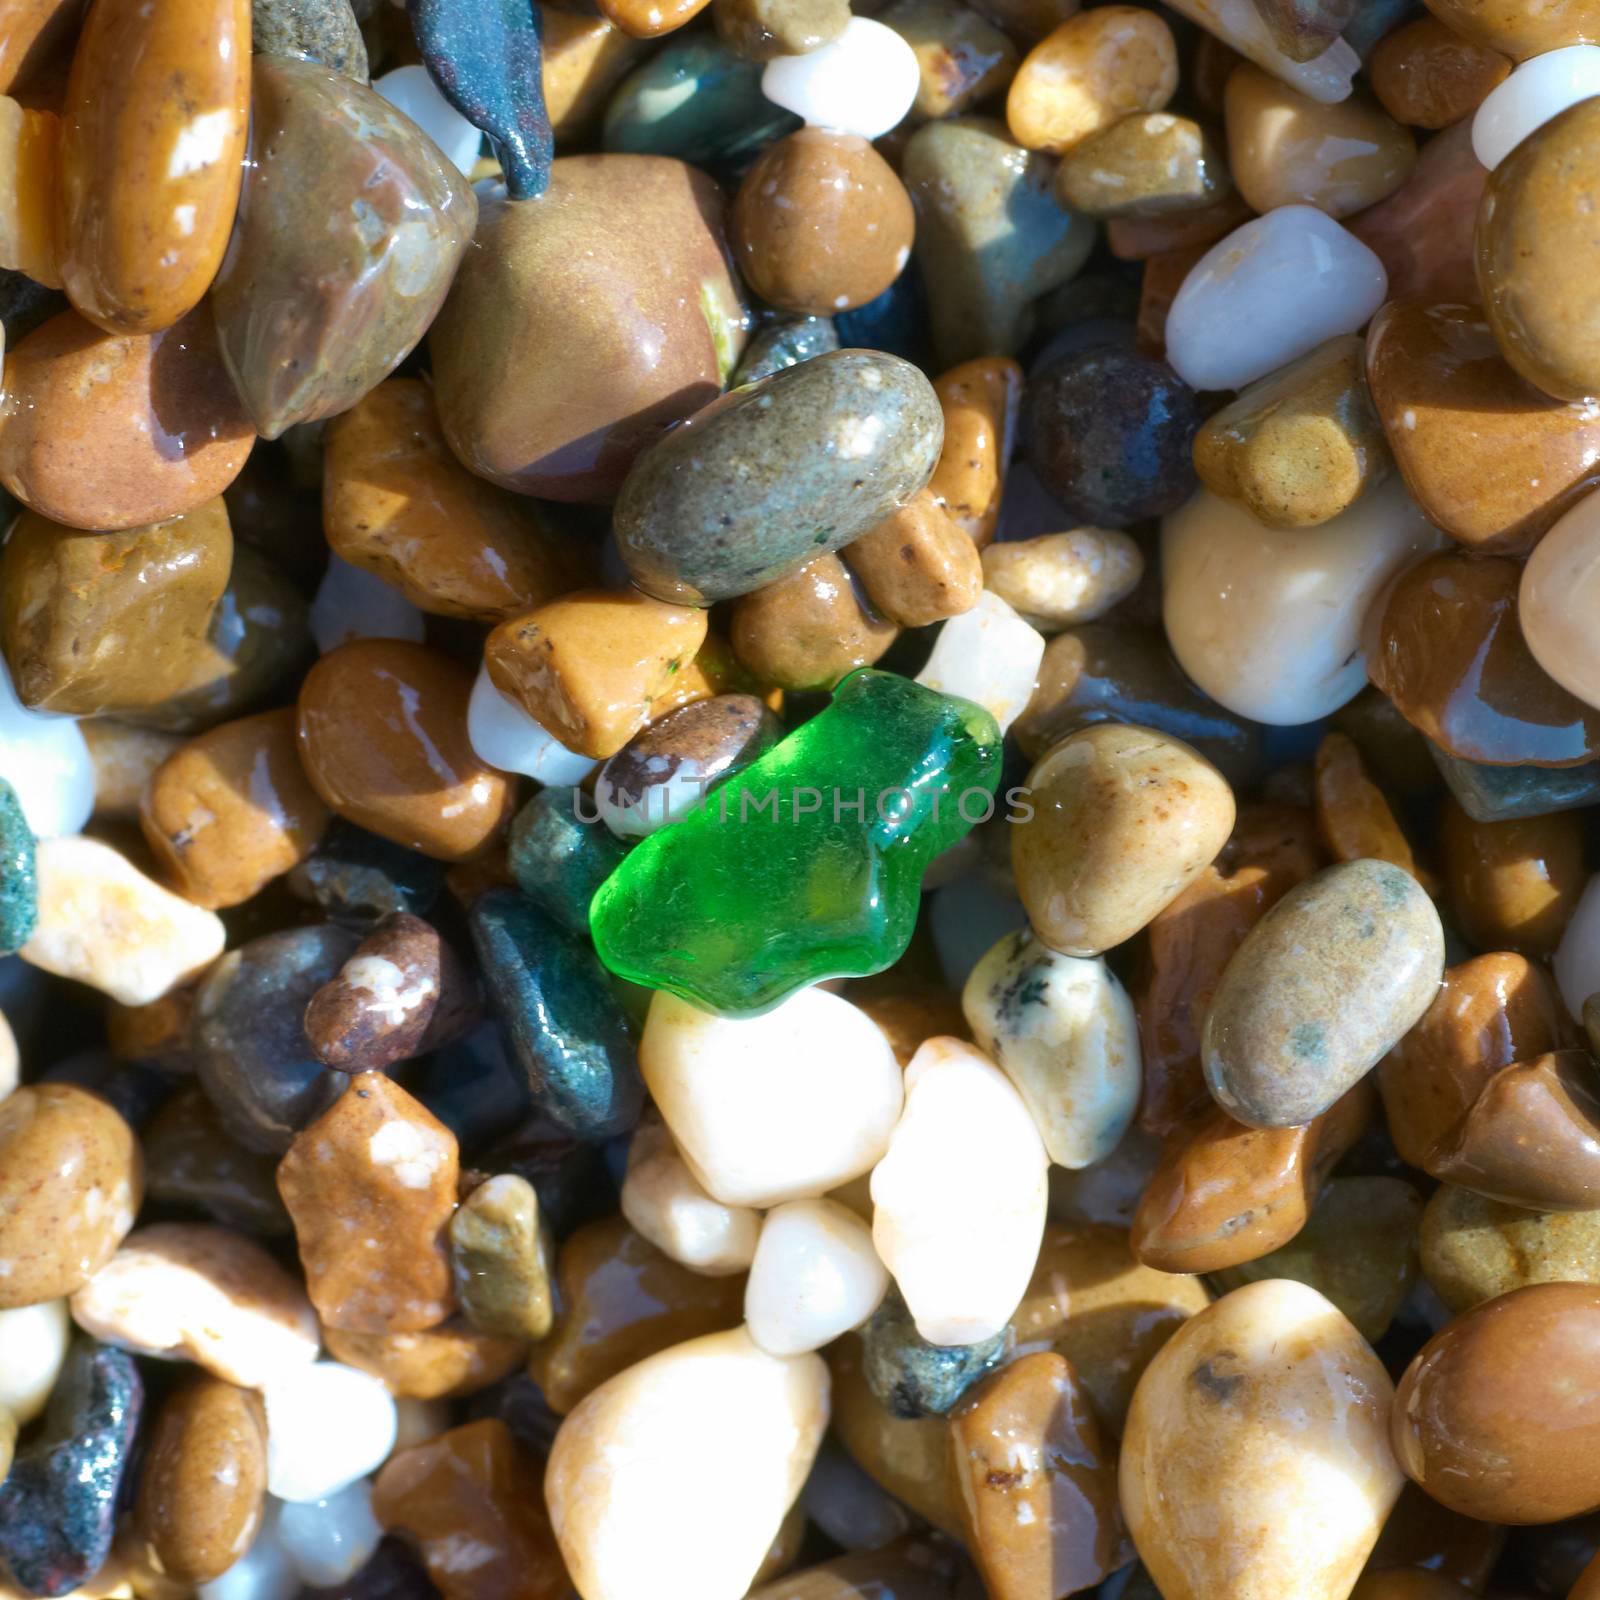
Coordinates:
252 1057
186 1291
351 603
19 894
398 505
991 237
959 1196
204 1480
503 735
1426 75
785 341
625 1482
1321 988
552 376
1538 90
583 57
664 1201
1452 657
1220 1496
329 1541
761 29
58 1502
1145 164
383 741
1268 622
106 431
34 1338
263 1572
192 1163
309 320
434 1364
469 1502
1037 1475
1304 29
981 400
1285 149
1576 962
559 861
913 1377
988 655
1474 1249
1064 1031
813 1277
355 876
1492 794
1056 580
1354 819
412 91
808 629
499 1259
1095 68
620 1301
1240 25
1532 226
370 1185
325 30
327 1426
1495 1417
1551 595
1519 33
962 57
863 82
46 762
848 1506
782 1106
1294 278
1513 885
1160 812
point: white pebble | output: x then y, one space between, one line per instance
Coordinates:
778 1107
629 1473
664 1201
353 603
327 1425
412 91
46 760
815 1276
959 1200
103 923
505 736
1063 1030
657 802
329 1541
263 1572
1577 958
1534 93
863 82
33 1344
1272 290
990 655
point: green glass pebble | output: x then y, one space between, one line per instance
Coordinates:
785 342
19 889
778 881
913 1378
558 860
1496 794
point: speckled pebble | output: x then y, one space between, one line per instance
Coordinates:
910 1376
499 1257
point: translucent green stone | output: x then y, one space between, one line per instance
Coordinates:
809 863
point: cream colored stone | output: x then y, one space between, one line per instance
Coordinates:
778 1107
632 1471
989 655
104 923
33 1344
10 1062
1256 1459
815 1276
1558 599
124 757
959 1200
1059 579
667 1204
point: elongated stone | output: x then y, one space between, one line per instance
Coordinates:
19 886
559 860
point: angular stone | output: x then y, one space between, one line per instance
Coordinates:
912 1377
324 30
1143 165
499 1259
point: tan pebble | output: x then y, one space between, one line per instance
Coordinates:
980 400
648 19
759 30
1474 1248
442 1363
807 630
1354 819
501 1259
1143 165
124 756
32 33
370 1185
962 57
666 1203
1521 30
1515 884
71 1180
583 59
917 566
1428 76
1058 579
1096 67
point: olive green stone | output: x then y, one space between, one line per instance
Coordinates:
1144 166
500 1260
19 889
1474 1248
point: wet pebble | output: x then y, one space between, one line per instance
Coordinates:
431 1365
862 82
1143 165
1058 580
962 57
668 1206
499 1258
192 1162
1513 885
1551 598
913 1377
814 1276
327 1425
762 29
1474 1249
988 655
809 628
1428 76
325 30
35 1338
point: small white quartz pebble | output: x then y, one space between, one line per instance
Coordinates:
46 760
664 1202
1064 1031
102 922
505 736
1534 93
778 1107
631 1473
1577 958
327 1425
33 1344
990 655
411 90
263 1572
815 1276
352 603
959 1200
863 82
329 1541
1273 289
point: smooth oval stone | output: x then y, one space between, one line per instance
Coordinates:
1055 580
758 30
1143 165
324 30
814 1276
252 1056
669 1206
863 82
810 628
310 319
1427 76
1474 1248
119 430
1256 1459
1498 1417
499 1259
1452 657
1537 234
152 150
1272 290
1518 30
1268 622
1319 991
777 473
991 237
1514 884
1555 596
579 329
784 342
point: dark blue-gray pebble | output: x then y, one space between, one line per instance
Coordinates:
357 877
1497 794
558 860
786 341
911 1377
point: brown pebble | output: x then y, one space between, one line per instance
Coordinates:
758 30
1143 165
204 1480
980 400
1354 819
370 1185
1513 885
157 1031
1428 76
383 738
917 566
1474 1248
963 58
810 628
1422 1533
1139 238
442 1363
584 57
1521 30
191 1161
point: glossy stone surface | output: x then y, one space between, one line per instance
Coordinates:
1428 76
963 57
697 99
1241 25
1354 818
1514 884
1521 33
557 859
808 629
758 30
444 1362
1058 579
1143 165
193 1163
981 400
1554 594
1492 794
322 141
912 1377
1474 1249
564 349
1303 29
